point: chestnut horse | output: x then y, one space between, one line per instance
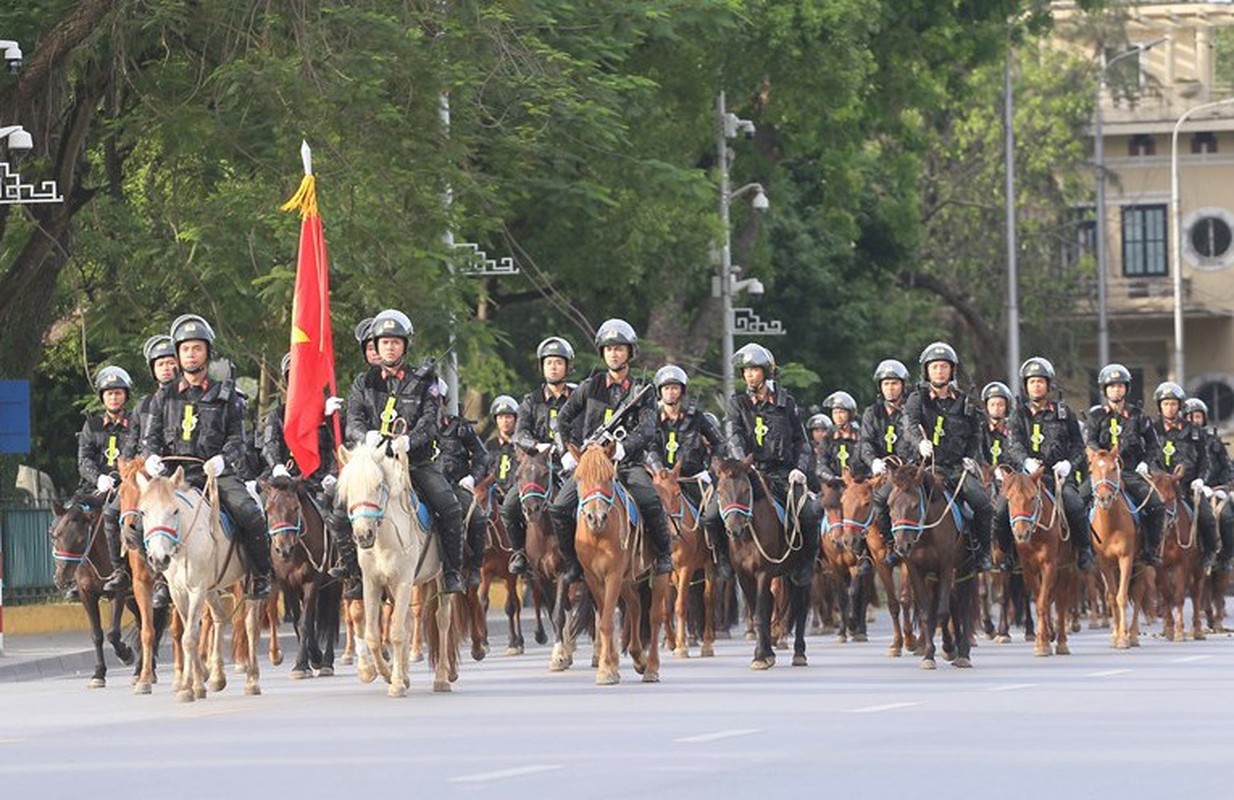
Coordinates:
1045 555
761 550
153 622
859 520
927 537
1116 543
614 555
842 556
1180 575
691 555
80 549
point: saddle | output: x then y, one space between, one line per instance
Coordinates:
961 511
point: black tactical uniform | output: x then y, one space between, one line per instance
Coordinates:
838 452
1220 474
1181 444
102 442
274 452
461 454
536 426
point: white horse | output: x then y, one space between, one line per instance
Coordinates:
198 562
396 553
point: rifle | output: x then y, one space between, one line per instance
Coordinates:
614 430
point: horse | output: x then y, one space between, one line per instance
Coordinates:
79 548
1116 543
198 561
1181 573
927 536
474 607
496 566
841 552
762 549
396 553
1045 555
614 556
859 520
1012 605
691 555
533 475
152 621
300 552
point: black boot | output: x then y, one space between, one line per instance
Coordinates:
803 573
119 581
258 552
719 547
662 547
1152 546
161 598
563 530
477 544
892 558
449 529
346 566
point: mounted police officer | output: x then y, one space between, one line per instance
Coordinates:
464 461
943 426
1048 434
500 445
841 450
588 408
199 417
883 436
368 344
999 448
1119 424
1220 476
763 422
818 428
686 440
277 460
393 402
1181 445
105 438
536 432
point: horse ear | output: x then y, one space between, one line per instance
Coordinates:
1114 451
747 462
177 478
676 470
1037 473
1178 472
142 481
57 508
343 455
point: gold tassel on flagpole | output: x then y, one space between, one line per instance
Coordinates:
305 198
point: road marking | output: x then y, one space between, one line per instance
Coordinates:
1105 673
883 707
1010 687
1189 659
515 772
718 735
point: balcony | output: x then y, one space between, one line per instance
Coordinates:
1144 297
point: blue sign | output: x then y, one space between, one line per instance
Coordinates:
14 416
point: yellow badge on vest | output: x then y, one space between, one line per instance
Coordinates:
996 451
890 438
503 468
387 416
189 423
938 429
1115 430
1037 438
760 430
843 457
1168 451
671 448
112 452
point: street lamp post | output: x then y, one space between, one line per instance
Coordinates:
1176 219
1103 323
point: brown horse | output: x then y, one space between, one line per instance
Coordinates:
1180 574
152 622
300 551
496 566
1045 555
613 553
1006 588
691 555
1116 543
927 538
762 549
80 551
859 520
842 556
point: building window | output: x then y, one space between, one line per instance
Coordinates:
1144 241
1209 240
1217 392
1142 144
1203 142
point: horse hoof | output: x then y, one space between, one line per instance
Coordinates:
217 685
894 652
276 658
750 637
185 696
760 664
141 688
1002 638
860 637
948 656
541 637
799 660
442 686
200 693
417 656
514 651
366 675
681 652
478 653
1135 641
299 674
1041 651
325 672
97 683
841 638
928 663
125 654
558 665
1122 644
608 679
252 689
1198 636
347 660
397 690
1062 650
651 676
595 662
963 662
708 651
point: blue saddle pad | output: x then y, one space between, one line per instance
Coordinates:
229 525
960 511
422 512
779 507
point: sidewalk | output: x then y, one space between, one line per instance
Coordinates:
38 656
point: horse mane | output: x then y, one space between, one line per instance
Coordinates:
907 478
130 467
1017 482
361 474
830 494
595 467
731 467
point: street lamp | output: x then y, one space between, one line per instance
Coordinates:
1176 219
1103 325
729 126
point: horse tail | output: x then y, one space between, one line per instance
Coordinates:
458 621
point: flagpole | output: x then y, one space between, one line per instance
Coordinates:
323 282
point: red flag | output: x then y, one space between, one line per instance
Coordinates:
312 343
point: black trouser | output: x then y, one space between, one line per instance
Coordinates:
807 520
564 511
1145 499
477 526
1209 539
249 522
1227 529
1073 510
437 493
111 529
513 518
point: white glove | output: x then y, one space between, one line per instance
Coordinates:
279 471
703 478
214 466
1031 465
468 483
333 404
1062 469
544 447
796 476
1142 469
1197 485
878 466
971 466
372 439
1221 495
1208 493
154 466
568 461
926 448
401 444
105 483
619 453
329 482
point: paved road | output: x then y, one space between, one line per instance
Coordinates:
1152 722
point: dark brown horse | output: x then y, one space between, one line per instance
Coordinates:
859 520
929 541
80 551
1181 574
300 551
842 555
762 549
496 566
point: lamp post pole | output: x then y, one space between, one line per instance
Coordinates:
726 252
